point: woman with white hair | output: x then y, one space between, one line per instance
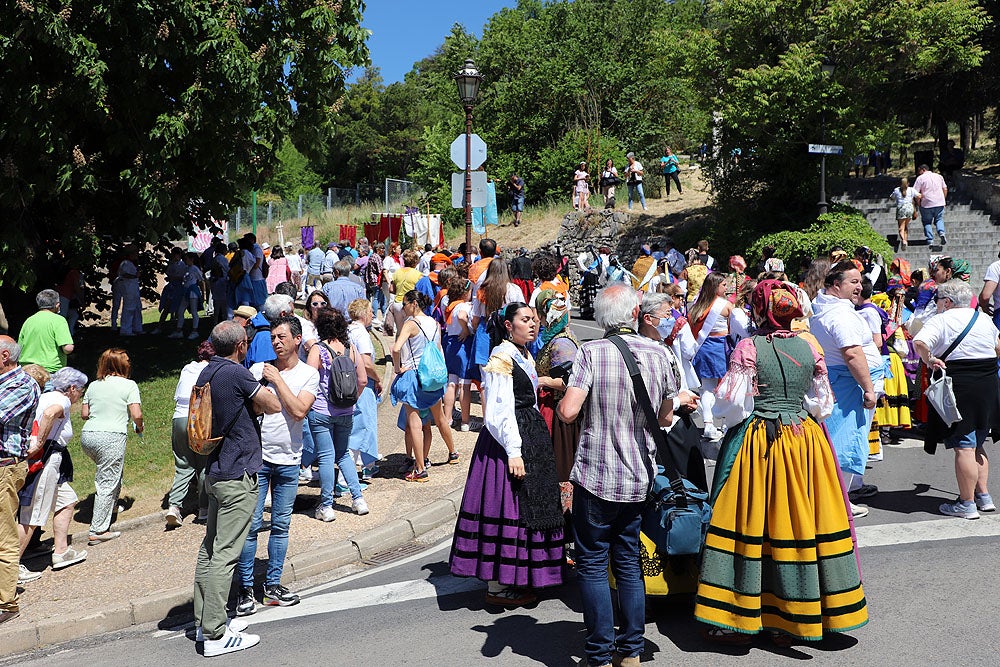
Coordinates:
965 343
50 470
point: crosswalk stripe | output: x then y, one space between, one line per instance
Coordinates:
888 534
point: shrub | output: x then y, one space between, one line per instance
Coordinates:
845 229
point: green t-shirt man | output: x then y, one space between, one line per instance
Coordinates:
42 339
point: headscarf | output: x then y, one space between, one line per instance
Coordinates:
774 305
774 265
554 313
837 256
960 269
738 264
901 268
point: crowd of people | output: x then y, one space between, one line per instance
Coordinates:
792 383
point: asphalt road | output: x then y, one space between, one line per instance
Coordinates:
931 583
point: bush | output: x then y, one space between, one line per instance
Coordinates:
845 229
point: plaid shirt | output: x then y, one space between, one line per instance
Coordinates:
610 461
18 399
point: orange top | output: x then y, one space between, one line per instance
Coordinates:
478 268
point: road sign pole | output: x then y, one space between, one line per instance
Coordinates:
468 183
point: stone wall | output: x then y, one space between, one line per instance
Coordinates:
984 190
579 232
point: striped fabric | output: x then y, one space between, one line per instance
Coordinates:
779 553
893 408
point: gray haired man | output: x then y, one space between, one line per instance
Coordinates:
613 472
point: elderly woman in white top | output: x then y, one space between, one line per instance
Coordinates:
964 343
50 471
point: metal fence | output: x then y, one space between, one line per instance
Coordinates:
394 194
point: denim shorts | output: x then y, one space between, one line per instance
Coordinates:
517 204
971 440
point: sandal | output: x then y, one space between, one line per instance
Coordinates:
725 636
453 457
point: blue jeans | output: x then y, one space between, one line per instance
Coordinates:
379 303
606 528
932 216
632 189
330 438
283 480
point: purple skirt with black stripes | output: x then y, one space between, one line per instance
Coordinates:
490 541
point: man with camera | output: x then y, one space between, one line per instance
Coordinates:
515 188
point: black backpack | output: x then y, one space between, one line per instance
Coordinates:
343 389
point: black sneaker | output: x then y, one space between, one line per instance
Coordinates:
944 241
279 596
247 605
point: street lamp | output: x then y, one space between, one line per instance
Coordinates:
826 67
468 79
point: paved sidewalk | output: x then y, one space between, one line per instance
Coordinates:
147 574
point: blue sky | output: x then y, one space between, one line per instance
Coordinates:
403 31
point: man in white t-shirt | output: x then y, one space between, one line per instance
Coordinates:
989 298
296 384
856 370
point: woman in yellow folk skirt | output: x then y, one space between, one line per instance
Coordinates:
780 553
893 407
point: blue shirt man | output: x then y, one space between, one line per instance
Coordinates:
315 260
342 291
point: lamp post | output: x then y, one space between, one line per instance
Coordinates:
468 79
826 67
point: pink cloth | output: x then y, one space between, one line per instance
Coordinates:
277 273
931 187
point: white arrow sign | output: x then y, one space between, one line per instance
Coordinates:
478 189
478 152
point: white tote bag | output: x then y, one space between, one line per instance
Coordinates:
941 396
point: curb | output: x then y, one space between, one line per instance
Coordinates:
175 603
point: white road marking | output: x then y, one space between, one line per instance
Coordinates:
888 534
402 591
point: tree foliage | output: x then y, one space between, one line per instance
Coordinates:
846 229
762 60
132 119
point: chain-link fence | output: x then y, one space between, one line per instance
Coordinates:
393 194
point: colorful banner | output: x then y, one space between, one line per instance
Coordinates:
308 236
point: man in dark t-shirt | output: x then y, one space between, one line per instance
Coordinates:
231 484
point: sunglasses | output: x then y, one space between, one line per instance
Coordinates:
317 304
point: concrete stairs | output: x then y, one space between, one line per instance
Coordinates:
971 231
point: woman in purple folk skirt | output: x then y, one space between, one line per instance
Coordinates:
510 526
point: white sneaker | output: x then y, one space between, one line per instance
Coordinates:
326 513
360 506
173 517
69 557
24 575
712 434
230 643
858 511
464 428
305 475
235 624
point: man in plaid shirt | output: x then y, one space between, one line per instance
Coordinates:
613 472
18 399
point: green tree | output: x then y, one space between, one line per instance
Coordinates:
293 176
762 61
134 119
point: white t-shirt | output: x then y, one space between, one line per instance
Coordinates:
836 325
993 273
309 333
281 434
182 394
900 199
454 328
940 331
635 167
513 295
872 319
360 339
294 265
62 428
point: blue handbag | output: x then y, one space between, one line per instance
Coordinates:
677 512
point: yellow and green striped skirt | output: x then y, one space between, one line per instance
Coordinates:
893 408
779 554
